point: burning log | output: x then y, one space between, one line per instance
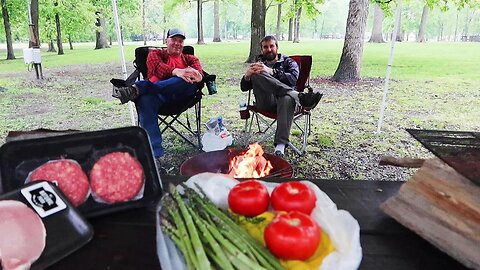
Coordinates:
221 162
252 164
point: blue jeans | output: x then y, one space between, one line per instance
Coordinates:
155 95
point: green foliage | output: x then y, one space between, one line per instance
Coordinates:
18 16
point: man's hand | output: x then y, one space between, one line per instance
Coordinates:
268 70
254 68
189 74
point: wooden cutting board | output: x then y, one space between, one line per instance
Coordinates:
443 207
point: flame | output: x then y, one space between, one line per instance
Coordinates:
252 164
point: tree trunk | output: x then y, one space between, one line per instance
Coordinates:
296 38
399 36
278 29
164 32
101 32
216 21
257 29
321 29
200 22
468 19
144 30
456 27
59 34
423 24
34 41
378 17
290 29
70 43
51 46
225 30
440 32
349 68
8 31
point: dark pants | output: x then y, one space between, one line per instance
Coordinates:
273 96
155 95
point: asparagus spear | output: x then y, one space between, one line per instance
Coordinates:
196 225
172 210
233 251
203 262
210 240
261 252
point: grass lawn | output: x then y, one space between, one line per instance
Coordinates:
412 61
433 86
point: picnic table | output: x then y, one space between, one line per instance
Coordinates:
127 240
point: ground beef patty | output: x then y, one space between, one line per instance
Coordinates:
69 177
116 177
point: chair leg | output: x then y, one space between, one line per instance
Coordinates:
305 130
248 131
260 122
198 113
169 125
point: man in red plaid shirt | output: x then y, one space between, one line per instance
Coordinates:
172 78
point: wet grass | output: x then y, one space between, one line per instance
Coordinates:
434 86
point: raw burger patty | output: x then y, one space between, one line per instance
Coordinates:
69 177
116 177
22 235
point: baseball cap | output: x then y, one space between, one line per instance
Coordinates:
175 32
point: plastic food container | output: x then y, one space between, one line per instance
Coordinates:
66 229
19 158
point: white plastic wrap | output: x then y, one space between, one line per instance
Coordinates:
342 228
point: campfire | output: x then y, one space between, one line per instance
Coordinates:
222 161
252 164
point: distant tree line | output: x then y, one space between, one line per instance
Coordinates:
58 21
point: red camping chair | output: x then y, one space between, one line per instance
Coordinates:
265 120
173 117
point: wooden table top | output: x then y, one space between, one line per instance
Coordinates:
126 240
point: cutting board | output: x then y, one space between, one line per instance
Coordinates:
443 207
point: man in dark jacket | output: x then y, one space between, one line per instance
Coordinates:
273 80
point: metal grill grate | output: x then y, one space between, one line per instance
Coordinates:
459 149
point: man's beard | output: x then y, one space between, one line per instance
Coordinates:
269 56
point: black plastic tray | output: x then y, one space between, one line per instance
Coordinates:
19 158
66 229
459 149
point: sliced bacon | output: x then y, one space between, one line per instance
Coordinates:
22 235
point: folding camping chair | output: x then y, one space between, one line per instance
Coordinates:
170 116
265 120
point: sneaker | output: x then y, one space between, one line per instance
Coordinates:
125 94
309 100
279 153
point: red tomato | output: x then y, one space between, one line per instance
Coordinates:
292 236
289 196
249 198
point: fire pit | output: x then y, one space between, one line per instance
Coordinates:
219 162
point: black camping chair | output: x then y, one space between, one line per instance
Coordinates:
169 116
265 120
